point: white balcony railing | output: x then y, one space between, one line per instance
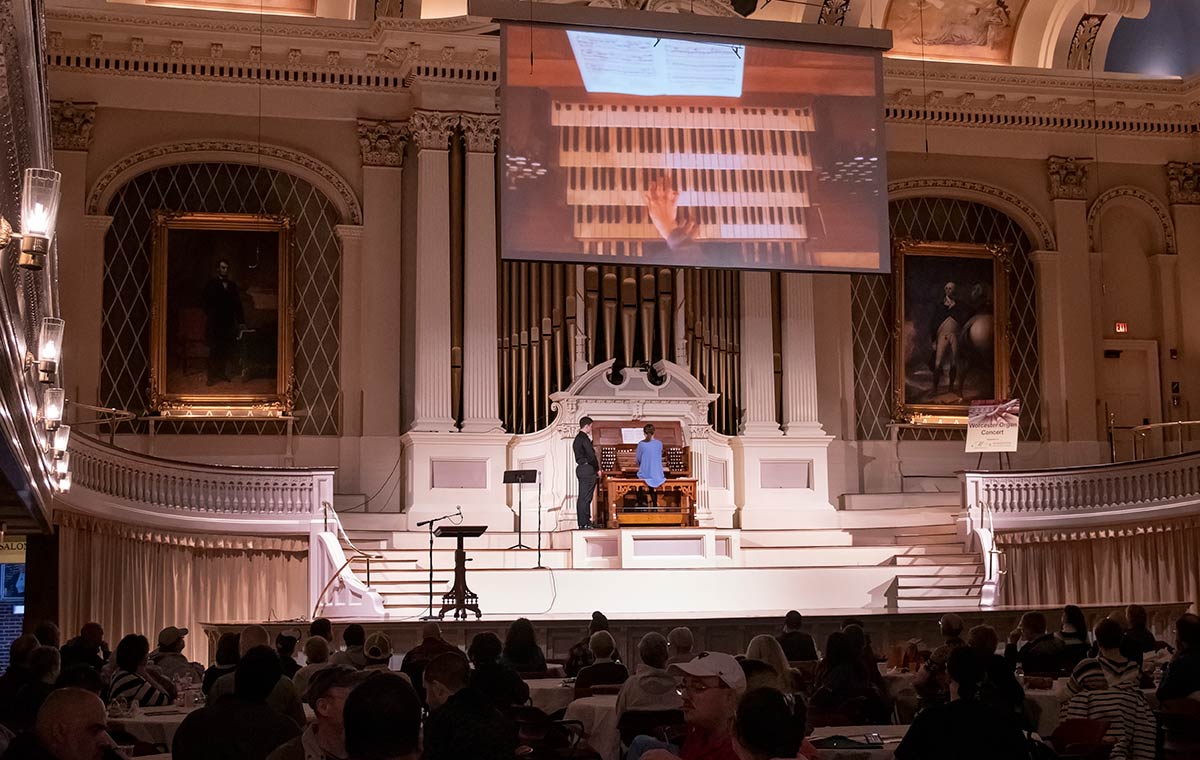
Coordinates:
1076 499
137 489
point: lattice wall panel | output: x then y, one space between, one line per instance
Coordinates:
223 188
872 309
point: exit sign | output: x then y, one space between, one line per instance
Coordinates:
1121 327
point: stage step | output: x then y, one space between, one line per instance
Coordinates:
892 519
938 603
865 501
414 540
483 559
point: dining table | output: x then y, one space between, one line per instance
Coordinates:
891 736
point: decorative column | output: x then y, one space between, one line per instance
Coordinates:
1073 302
81 242
1183 192
800 413
431 131
757 357
1051 345
481 402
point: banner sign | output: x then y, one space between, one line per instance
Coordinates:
992 426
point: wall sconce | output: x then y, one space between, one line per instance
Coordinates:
62 465
64 483
49 348
59 438
53 401
39 214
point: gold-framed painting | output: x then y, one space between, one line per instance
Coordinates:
221 315
951 329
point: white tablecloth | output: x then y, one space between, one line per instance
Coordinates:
156 725
891 739
599 718
549 694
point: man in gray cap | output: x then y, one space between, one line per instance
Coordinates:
713 683
168 661
324 738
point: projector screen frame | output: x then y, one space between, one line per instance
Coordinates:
716 27
712 29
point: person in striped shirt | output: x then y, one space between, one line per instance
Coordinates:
1110 669
130 681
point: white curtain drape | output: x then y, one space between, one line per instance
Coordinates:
1154 563
139 580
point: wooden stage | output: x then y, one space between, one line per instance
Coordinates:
731 634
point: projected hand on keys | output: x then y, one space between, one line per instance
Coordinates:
662 206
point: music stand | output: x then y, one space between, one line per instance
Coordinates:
520 477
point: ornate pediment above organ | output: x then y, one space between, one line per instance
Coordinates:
667 393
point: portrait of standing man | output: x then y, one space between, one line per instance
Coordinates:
224 319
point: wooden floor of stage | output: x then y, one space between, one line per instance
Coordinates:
727 634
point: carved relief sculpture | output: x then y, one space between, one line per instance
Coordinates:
382 142
1068 177
72 124
1183 182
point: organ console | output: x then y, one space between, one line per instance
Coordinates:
741 173
624 499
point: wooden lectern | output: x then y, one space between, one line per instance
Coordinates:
460 598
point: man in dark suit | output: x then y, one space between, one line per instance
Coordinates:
224 320
586 469
798 646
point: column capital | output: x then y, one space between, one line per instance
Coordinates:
1068 177
481 131
1044 257
97 223
431 130
382 142
1183 183
71 124
349 232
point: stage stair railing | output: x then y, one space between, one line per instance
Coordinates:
129 487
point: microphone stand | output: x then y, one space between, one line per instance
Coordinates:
539 565
431 523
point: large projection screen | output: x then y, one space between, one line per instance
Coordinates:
648 148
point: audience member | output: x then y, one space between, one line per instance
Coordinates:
72 725
321 627
867 658
463 722
316 655
80 676
383 719
759 675
130 680
353 637
1110 669
1074 635
88 648
843 686
580 654
962 727
378 652
651 687
603 671
1181 678
1041 652
285 647
679 645
769 650
241 726
43 671
168 658
47 634
494 677
432 644
16 676
324 737
225 661
930 682
521 650
712 685
283 698
797 644
999 690
1138 638
768 725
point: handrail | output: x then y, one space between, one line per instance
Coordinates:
1140 433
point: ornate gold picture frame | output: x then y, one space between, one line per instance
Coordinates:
951 329
221 315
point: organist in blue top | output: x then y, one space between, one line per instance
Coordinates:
650 462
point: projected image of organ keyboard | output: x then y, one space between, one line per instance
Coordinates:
651 150
687 176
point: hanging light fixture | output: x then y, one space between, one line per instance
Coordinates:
62 464
39 214
49 348
58 439
64 483
53 401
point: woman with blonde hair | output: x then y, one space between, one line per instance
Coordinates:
767 649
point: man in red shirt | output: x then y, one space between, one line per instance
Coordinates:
712 685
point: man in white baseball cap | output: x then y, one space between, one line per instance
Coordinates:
712 683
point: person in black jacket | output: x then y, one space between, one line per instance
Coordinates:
586 469
463 722
492 676
797 645
1041 653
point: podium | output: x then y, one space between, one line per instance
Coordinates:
460 598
